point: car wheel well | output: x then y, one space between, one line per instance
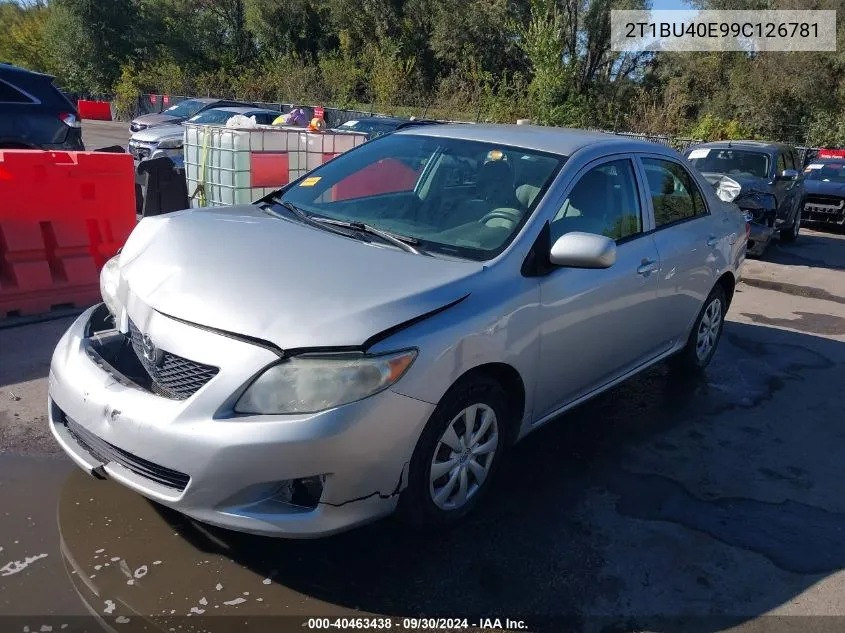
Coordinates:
728 284
511 383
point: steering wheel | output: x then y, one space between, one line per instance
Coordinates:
511 215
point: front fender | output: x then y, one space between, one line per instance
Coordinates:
497 324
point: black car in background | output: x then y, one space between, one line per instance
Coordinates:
762 179
376 126
34 114
183 111
824 180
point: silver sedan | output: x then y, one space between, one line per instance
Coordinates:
375 335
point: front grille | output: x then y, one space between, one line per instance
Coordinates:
172 376
824 204
104 452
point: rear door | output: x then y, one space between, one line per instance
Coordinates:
687 237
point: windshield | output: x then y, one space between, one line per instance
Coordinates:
461 198
212 116
731 162
185 108
826 172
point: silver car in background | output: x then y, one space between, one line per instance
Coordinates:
166 140
376 335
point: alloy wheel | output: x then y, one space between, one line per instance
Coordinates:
708 329
463 457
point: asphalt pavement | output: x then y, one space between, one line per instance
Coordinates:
663 505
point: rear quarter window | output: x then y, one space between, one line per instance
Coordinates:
11 94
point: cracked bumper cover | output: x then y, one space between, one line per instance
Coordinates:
363 449
759 238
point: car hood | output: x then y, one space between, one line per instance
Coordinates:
157 119
158 133
246 272
826 188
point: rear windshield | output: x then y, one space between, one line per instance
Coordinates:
461 198
730 161
186 108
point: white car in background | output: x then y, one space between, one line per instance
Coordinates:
166 140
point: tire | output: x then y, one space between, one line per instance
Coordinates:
692 358
417 505
790 234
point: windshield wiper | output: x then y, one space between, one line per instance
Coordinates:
307 218
404 242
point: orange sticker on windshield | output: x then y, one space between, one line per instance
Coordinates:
310 181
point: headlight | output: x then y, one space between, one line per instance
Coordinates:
109 282
308 384
728 189
171 143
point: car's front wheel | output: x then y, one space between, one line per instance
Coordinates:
457 454
790 234
705 335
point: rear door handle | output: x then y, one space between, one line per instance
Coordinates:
712 241
647 267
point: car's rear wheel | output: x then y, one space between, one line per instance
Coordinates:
458 453
706 333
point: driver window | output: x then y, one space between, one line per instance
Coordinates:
790 164
605 201
781 164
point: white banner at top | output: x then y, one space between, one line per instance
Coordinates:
749 31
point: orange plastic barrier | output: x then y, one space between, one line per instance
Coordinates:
62 215
94 110
386 176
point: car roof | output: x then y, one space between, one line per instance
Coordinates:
554 140
750 145
377 119
17 69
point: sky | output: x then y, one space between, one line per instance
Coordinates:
669 4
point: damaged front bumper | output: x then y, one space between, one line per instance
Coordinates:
759 238
242 473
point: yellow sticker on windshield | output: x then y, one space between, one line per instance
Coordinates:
310 181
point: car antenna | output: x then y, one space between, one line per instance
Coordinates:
729 144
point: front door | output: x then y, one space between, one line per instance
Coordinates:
598 324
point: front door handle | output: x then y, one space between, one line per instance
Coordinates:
646 267
712 241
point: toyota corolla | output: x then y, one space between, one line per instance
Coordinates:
375 335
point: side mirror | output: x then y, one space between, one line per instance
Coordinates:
788 174
583 250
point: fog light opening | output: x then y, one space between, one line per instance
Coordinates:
301 493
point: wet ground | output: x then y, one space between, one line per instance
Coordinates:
664 505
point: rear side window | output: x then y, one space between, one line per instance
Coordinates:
674 195
10 94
